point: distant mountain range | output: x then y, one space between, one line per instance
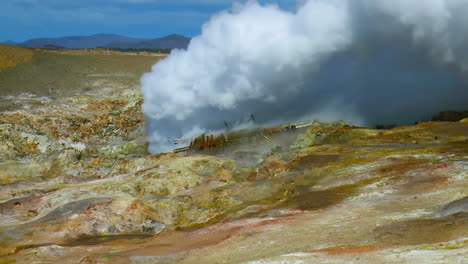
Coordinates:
9 42
107 41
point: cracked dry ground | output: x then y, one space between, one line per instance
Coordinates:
77 186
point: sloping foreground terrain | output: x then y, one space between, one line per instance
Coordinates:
77 186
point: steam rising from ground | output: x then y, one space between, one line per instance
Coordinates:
361 61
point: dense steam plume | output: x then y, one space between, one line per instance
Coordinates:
365 62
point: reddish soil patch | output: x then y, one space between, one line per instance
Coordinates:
350 249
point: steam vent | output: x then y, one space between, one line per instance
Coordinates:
314 131
78 185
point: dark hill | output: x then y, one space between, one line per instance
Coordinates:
108 41
169 42
10 42
79 42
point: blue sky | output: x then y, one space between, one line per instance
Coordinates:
21 20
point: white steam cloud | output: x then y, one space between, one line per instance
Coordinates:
363 61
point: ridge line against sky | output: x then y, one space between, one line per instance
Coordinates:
22 20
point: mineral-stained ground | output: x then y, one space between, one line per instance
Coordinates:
77 186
